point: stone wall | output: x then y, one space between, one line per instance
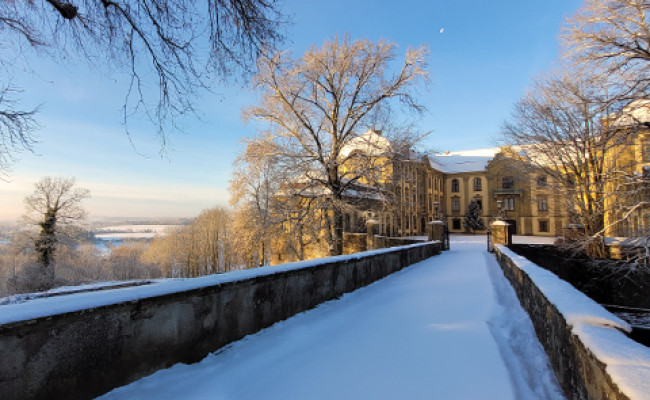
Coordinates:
581 369
86 352
354 242
383 242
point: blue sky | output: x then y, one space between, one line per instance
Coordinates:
480 65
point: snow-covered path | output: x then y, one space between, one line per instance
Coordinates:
446 328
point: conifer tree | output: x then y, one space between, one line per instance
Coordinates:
473 220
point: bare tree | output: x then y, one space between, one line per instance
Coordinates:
317 104
564 128
55 204
178 46
200 248
212 240
253 189
613 35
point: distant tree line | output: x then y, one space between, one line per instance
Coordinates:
208 245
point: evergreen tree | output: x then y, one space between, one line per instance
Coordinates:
473 220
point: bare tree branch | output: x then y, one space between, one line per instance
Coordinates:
179 46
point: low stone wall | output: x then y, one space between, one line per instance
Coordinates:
591 356
84 345
356 242
385 241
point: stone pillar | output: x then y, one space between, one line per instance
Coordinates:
500 232
436 230
371 230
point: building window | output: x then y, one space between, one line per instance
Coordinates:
542 204
477 185
455 187
480 203
455 223
455 205
509 204
507 182
541 181
543 226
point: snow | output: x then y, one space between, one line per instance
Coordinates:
451 164
570 302
47 306
370 143
133 231
489 152
64 290
449 327
627 361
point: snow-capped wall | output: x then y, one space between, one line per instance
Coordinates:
82 345
587 345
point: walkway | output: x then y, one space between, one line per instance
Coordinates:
447 328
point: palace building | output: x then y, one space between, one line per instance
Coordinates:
450 181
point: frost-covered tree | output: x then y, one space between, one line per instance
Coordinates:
253 192
316 105
54 205
614 36
473 221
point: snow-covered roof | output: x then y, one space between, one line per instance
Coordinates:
458 163
634 113
370 143
489 152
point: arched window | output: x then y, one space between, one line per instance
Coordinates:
455 187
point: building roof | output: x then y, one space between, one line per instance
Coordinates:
370 143
637 112
451 164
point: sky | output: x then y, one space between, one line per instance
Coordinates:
483 56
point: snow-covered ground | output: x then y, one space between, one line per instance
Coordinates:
449 327
133 231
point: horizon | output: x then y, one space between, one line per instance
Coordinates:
483 57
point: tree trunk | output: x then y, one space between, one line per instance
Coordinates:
337 248
45 245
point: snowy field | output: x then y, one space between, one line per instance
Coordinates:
449 327
133 231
